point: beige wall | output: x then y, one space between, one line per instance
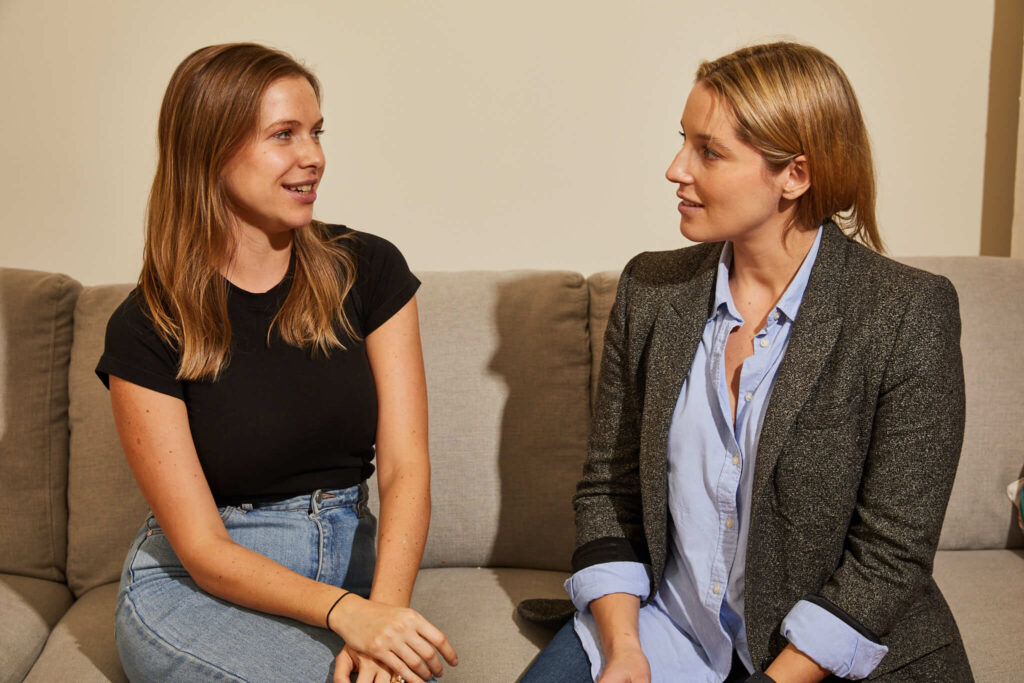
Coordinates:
475 134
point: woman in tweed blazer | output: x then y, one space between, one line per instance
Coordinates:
823 497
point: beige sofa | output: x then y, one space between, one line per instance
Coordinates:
510 361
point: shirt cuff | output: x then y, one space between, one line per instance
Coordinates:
598 580
831 642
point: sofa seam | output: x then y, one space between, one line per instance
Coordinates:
49 432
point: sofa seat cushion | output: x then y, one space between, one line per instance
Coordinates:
30 608
985 590
475 608
81 646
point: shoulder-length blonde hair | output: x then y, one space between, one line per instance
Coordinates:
791 99
211 108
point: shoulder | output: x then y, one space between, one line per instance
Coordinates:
886 284
129 319
367 247
674 267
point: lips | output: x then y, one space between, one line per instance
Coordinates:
689 202
304 192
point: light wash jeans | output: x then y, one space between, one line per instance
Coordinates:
169 629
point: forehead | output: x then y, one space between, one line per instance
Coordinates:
289 97
706 114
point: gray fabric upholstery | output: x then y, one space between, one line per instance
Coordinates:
990 292
105 507
475 608
508 360
985 590
508 372
81 647
35 344
30 608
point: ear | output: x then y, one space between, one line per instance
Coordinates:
796 178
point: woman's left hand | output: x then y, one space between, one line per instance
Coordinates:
370 670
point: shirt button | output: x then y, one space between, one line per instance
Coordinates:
764 343
716 588
775 315
736 460
728 524
749 396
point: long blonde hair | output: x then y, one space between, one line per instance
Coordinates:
791 99
210 109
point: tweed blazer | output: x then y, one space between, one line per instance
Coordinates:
857 456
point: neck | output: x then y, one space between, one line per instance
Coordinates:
259 260
768 263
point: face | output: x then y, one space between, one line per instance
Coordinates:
271 181
727 192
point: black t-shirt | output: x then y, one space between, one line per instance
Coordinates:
280 421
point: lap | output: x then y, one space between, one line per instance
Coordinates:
170 629
563 660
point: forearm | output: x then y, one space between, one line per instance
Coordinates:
404 520
617 616
793 666
241 576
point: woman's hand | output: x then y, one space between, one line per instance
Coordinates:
626 665
398 638
370 670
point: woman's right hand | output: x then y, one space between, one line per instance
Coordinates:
398 637
626 665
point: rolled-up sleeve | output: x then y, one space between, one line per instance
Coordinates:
598 580
831 642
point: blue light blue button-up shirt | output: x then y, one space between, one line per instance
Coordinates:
695 621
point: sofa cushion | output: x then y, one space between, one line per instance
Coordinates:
105 507
30 608
508 372
35 345
81 647
475 608
992 326
985 590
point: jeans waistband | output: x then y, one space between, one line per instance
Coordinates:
320 499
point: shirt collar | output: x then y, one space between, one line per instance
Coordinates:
789 302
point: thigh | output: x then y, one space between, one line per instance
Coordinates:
562 661
169 629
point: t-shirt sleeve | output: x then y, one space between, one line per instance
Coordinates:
134 352
384 283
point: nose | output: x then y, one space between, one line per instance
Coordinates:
312 154
677 171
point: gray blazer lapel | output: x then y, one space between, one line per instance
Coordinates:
815 332
677 330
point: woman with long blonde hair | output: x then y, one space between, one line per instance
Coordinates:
261 367
779 415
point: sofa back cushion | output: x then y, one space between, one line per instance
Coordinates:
979 515
35 345
105 507
507 357
992 320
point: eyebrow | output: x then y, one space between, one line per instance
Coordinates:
705 138
292 123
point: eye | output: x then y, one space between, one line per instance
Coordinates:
709 153
285 134
683 136
317 134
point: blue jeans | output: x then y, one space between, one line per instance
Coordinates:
562 661
169 629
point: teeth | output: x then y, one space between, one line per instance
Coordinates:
300 188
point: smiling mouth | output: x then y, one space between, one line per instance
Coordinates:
301 189
687 202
